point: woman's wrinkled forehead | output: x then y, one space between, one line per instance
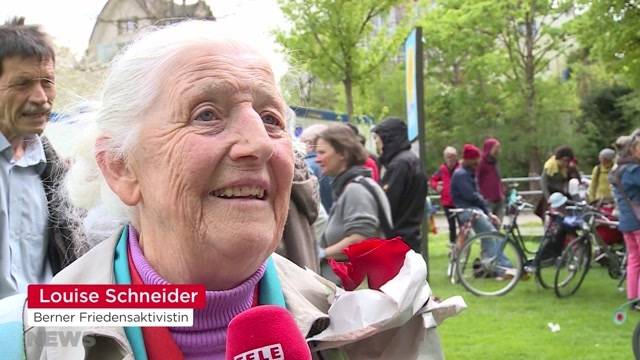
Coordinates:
225 68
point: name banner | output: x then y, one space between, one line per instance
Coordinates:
96 305
116 296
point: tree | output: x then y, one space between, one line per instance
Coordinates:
603 117
532 38
609 28
302 88
488 75
337 40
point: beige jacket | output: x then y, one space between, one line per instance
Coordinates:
308 298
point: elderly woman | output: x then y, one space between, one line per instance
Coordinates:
599 188
191 167
355 214
625 179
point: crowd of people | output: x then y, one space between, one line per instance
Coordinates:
186 175
475 183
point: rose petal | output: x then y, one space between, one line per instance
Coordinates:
349 276
379 260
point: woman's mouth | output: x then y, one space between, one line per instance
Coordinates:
241 192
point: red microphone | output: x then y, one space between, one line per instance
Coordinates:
265 332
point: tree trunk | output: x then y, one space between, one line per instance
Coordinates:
348 90
530 88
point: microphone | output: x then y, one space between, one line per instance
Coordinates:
265 332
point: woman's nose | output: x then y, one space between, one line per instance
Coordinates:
253 141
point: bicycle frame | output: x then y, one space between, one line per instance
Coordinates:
512 230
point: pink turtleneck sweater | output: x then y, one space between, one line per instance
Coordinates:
206 338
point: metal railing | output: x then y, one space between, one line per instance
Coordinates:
531 196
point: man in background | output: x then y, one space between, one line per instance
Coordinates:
34 243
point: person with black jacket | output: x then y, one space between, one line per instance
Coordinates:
403 180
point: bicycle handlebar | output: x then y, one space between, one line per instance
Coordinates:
456 211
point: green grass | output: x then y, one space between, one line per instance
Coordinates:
514 326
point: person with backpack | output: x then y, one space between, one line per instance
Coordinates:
599 188
359 201
625 179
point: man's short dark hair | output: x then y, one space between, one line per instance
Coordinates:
25 41
342 139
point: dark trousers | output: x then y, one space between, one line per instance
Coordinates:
452 225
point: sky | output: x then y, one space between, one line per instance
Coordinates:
70 22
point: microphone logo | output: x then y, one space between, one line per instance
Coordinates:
269 352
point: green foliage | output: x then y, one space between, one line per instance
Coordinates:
610 30
492 71
304 89
604 117
336 40
383 95
492 68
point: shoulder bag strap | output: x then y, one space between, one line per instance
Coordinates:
382 215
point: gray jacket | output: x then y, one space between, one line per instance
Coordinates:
356 212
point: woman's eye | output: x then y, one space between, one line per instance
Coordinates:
270 120
206 115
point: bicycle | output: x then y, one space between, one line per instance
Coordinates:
575 261
465 229
491 263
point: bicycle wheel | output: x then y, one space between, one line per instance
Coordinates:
545 267
572 267
489 264
635 342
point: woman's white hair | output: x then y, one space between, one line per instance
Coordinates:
131 85
450 150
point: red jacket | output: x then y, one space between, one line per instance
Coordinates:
444 174
371 164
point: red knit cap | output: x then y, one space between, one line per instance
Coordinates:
470 152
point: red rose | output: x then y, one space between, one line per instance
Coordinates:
377 259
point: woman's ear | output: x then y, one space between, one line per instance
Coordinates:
118 174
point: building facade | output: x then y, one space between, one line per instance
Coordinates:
119 20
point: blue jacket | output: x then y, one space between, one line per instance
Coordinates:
464 190
629 176
326 193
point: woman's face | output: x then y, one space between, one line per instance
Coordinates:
563 162
331 162
214 167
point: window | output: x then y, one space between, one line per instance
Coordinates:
128 26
